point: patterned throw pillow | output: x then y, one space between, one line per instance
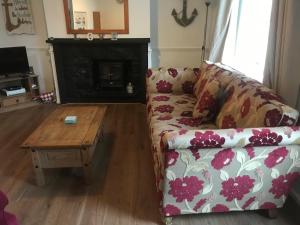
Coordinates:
212 90
207 104
250 104
200 83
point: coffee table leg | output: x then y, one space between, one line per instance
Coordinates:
87 167
39 173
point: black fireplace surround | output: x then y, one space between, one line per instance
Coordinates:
100 70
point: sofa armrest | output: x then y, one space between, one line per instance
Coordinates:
231 138
171 80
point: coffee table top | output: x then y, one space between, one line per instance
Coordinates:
54 133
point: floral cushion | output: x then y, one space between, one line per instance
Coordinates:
222 73
214 81
250 104
170 104
206 106
171 80
202 79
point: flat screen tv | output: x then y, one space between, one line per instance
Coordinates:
13 61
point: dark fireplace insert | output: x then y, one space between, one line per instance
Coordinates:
100 70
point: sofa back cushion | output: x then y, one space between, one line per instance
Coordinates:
201 80
214 81
250 104
172 80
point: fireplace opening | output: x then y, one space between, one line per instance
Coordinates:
110 75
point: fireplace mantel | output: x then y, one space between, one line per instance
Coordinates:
99 70
98 41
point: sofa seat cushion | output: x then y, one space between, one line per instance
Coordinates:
170 104
250 104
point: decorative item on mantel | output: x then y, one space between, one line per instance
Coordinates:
18 17
114 36
184 20
90 36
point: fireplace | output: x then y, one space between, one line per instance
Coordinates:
100 70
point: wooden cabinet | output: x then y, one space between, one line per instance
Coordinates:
29 82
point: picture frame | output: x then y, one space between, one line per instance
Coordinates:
80 20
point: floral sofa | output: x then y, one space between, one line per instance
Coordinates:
220 141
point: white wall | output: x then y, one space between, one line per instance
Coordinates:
172 44
36 47
139 19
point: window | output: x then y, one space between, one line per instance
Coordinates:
246 43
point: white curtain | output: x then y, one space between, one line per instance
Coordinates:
276 44
221 30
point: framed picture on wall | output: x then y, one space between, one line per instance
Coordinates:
80 20
18 16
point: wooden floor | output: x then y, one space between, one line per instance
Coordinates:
123 190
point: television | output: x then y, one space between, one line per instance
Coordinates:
13 60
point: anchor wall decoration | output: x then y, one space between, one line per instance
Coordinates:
184 20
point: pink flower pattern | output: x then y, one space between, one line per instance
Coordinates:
171 210
268 205
186 188
199 204
282 185
161 98
272 118
172 72
228 122
187 87
171 158
245 108
250 152
207 139
222 158
164 109
220 208
207 101
165 117
197 72
264 138
182 102
187 114
248 202
287 121
164 86
237 188
276 157
149 73
192 122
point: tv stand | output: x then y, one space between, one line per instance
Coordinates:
29 82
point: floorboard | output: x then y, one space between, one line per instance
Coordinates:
123 188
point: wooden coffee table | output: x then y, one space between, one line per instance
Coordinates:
55 144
